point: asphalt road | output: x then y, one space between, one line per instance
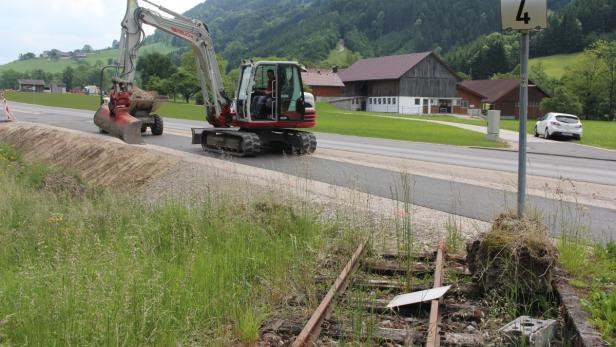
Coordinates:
554 160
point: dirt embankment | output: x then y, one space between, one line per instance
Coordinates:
100 161
155 173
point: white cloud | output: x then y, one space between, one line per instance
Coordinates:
36 25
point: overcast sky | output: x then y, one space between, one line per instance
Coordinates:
39 25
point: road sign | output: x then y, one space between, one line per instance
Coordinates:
524 14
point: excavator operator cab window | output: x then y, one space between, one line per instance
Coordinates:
291 93
270 92
264 94
243 94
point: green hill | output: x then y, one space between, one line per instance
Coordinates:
57 66
311 30
555 65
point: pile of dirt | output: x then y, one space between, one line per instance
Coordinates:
516 258
100 161
143 100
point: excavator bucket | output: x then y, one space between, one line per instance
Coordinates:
121 125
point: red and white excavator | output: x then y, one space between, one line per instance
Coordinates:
268 109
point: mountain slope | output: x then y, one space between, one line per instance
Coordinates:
102 57
308 30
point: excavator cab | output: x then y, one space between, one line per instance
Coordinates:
270 92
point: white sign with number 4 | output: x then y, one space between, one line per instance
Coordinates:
524 14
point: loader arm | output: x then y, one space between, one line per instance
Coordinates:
195 32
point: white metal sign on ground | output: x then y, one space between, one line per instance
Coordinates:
524 14
5 115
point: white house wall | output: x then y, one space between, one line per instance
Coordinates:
394 104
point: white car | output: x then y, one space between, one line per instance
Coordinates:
559 124
309 100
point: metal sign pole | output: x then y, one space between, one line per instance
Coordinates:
524 52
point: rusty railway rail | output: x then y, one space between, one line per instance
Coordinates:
415 330
312 330
435 313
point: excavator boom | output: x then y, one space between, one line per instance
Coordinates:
269 98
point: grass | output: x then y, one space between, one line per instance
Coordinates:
330 120
596 133
593 271
104 269
334 120
178 110
59 65
555 65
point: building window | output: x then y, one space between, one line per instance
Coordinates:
379 99
394 101
417 102
464 103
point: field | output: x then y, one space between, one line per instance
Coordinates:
555 65
596 133
90 102
102 56
337 121
330 120
83 266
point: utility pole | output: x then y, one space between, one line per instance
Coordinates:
524 53
523 16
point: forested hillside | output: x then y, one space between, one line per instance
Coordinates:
572 28
309 29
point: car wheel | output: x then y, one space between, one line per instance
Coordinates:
536 132
547 134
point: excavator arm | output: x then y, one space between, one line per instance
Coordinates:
195 32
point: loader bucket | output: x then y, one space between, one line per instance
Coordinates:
121 125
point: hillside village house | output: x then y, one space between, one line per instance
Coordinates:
503 95
31 85
325 83
417 83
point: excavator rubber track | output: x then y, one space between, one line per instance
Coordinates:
301 142
231 142
248 143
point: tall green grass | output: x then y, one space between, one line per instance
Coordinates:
104 269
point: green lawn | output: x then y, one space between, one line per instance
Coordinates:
596 133
91 267
555 65
59 65
178 110
330 120
333 120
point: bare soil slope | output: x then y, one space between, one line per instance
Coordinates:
101 161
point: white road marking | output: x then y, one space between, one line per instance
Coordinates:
17 110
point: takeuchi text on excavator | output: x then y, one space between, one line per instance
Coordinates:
267 112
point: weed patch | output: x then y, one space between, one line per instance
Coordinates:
515 259
106 269
593 271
